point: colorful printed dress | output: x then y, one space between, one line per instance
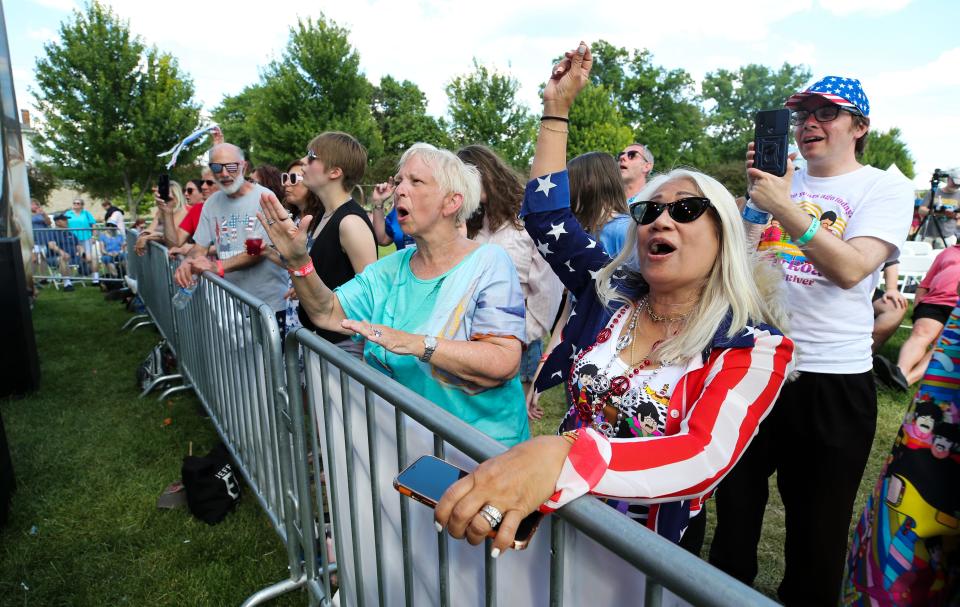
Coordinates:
906 547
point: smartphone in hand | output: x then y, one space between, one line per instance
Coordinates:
770 141
426 480
163 186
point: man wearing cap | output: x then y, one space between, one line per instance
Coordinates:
945 209
818 436
63 249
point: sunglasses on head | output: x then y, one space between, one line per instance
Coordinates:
290 178
824 113
217 167
684 210
630 154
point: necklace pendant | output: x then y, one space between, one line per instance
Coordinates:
624 341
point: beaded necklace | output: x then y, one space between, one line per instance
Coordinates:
606 391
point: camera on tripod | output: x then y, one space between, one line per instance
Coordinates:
939 175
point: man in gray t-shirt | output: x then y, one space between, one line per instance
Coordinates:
946 210
226 221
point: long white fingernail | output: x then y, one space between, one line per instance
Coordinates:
494 553
438 526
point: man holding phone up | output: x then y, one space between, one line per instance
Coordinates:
818 437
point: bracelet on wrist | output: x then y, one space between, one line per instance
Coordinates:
809 234
304 270
220 270
546 128
551 117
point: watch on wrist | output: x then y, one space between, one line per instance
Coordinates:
429 346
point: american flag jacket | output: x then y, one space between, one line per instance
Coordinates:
716 407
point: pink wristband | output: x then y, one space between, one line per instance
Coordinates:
305 270
220 271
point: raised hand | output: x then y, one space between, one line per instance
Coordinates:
567 80
381 192
290 240
217 135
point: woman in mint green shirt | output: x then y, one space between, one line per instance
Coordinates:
445 318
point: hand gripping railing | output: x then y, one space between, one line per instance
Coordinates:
357 428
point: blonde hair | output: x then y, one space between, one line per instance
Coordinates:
740 281
176 193
452 174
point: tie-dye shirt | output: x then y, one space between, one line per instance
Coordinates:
478 297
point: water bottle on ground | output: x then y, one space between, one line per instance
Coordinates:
183 296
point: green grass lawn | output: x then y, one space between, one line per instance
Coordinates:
891 407
90 460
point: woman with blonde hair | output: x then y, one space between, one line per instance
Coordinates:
675 362
174 209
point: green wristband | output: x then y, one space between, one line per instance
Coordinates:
808 235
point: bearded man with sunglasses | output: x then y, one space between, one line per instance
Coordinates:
818 437
228 216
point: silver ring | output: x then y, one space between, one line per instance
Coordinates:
491 511
270 222
377 333
289 215
490 520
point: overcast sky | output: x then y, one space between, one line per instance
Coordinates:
906 54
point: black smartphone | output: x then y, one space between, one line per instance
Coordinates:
163 186
426 479
770 141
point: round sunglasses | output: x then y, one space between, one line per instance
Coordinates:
684 210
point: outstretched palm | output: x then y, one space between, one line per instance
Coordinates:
289 239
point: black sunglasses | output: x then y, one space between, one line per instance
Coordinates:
209 182
630 154
189 190
684 210
824 113
217 167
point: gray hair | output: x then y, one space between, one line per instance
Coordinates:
452 174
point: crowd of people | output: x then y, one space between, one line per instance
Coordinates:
698 354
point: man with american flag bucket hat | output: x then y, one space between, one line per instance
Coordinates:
818 437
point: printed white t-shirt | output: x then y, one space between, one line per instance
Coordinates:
831 326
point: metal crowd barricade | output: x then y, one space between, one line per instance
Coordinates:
106 252
229 350
357 428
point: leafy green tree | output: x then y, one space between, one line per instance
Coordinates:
42 181
234 115
737 96
109 105
596 123
483 108
661 106
316 86
400 109
885 148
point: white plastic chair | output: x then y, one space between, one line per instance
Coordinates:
916 247
912 270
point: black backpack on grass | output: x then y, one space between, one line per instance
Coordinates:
213 489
